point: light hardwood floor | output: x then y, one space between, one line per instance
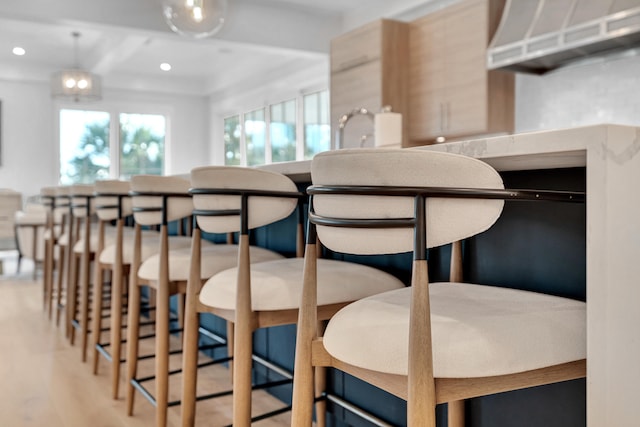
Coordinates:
44 383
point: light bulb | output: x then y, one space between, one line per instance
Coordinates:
82 84
195 18
70 82
197 14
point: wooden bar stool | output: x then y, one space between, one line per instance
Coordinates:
259 294
59 250
443 342
113 203
84 252
159 200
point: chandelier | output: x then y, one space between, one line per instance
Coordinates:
76 84
195 18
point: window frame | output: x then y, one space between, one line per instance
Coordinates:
114 111
299 114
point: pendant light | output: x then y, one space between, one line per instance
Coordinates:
195 18
76 84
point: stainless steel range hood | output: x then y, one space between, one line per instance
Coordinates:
536 36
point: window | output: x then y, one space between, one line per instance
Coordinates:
255 130
90 150
317 129
282 131
84 146
232 132
296 129
141 144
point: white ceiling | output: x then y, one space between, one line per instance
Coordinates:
126 40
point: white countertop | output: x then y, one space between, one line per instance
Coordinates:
547 149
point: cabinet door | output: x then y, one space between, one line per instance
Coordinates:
427 77
357 47
355 88
466 85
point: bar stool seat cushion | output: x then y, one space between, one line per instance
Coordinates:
278 285
215 258
109 239
150 246
477 331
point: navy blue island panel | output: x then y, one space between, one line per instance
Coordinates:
537 246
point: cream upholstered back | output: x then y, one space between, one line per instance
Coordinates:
62 202
448 220
262 210
112 187
78 198
48 191
177 207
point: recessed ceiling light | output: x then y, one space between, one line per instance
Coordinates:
19 51
165 66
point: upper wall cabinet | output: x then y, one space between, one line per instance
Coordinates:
369 69
451 92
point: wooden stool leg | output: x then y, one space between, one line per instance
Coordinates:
243 346
303 381
72 297
58 298
190 337
133 331
455 413
116 312
133 320
162 356
320 381
230 344
84 303
47 279
96 314
162 332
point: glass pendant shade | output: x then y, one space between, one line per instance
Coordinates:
195 18
76 85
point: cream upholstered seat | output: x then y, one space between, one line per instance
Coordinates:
256 294
167 271
444 342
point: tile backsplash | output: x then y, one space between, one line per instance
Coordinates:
602 90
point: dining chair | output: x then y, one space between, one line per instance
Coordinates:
30 225
254 294
429 343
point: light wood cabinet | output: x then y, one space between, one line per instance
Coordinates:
369 68
451 92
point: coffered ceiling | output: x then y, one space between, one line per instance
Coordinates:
126 40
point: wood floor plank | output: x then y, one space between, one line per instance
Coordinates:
44 383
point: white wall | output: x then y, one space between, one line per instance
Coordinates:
598 91
30 127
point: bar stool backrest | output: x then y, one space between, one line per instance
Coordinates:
108 195
62 202
262 210
447 220
81 194
148 194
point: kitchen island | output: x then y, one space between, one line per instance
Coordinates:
609 156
